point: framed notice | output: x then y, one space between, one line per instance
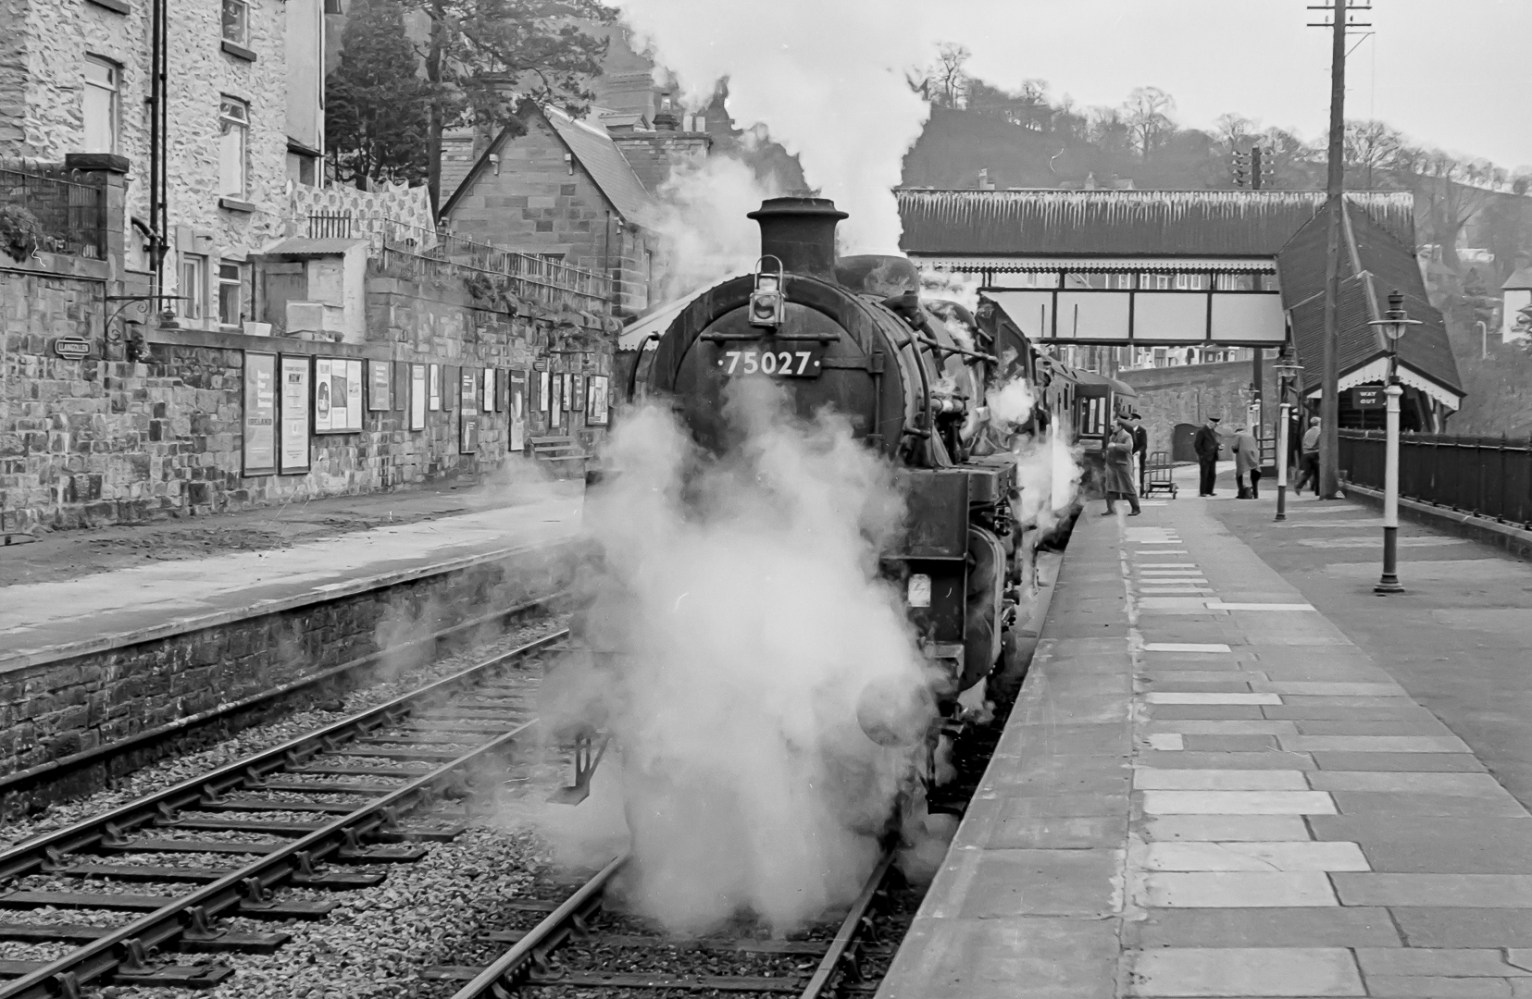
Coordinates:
595 403
487 392
293 451
578 382
337 396
518 404
380 376
468 421
566 388
555 401
435 388
417 397
545 383
260 451
502 388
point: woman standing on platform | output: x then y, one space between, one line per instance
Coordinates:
1119 467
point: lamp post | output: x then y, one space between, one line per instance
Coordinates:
1288 371
1393 327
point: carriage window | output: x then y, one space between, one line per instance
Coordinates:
1121 281
1037 279
1192 282
1086 280
1154 281
1237 282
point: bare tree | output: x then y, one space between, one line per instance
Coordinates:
1146 113
1233 130
1451 192
949 81
1370 150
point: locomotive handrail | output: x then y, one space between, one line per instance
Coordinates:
816 337
938 345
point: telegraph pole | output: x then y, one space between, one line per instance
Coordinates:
1329 400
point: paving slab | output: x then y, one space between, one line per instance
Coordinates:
1220 780
1430 844
1468 785
1017 958
1260 856
1238 889
1436 961
1228 743
1374 744
1440 926
1421 805
1237 803
1412 762
1255 971
1298 926
1225 828
1274 760
1489 891
1395 987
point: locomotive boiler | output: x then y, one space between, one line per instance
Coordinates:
911 378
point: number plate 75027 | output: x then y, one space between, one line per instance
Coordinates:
779 362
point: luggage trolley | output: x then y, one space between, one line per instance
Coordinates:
1157 475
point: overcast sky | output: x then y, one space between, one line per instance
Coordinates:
1450 73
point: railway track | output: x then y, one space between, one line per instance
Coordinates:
364 791
579 946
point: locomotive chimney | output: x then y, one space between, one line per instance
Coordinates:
801 233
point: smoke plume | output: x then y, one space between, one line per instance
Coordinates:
759 649
705 236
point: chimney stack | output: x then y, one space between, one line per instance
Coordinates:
801 233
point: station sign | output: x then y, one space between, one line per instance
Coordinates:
71 348
1367 397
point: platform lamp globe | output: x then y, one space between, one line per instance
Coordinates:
1393 327
1288 371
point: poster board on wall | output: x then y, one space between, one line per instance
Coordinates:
566 392
578 382
468 421
295 400
418 394
380 378
555 403
337 395
596 401
260 450
518 404
435 388
487 391
545 391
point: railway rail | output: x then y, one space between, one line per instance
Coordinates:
354 792
531 962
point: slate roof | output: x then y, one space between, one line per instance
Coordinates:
594 149
1374 262
1124 223
1521 279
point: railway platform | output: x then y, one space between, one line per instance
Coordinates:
59 618
1236 771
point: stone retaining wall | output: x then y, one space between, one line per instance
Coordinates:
50 711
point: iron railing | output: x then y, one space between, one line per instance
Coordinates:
420 252
72 214
1485 476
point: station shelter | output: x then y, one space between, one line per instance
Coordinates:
1124 272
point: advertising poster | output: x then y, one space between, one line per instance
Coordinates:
294 450
578 382
567 394
436 388
555 402
260 414
468 422
354 396
595 405
487 393
545 391
518 404
417 397
379 386
321 395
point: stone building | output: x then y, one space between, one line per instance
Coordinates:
564 191
245 120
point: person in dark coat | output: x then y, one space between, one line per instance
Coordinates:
1206 445
1119 468
1140 450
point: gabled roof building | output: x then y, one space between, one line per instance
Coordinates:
562 190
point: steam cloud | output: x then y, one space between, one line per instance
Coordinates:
704 232
757 642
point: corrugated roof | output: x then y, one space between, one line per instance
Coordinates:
596 151
1123 223
1374 262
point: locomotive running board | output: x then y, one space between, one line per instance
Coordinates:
585 768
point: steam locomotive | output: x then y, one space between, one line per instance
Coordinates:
912 379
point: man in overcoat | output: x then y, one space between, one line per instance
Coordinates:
1205 444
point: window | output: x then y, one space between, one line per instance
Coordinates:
1153 281
234 136
1192 282
193 286
231 289
236 21
102 79
1237 282
333 7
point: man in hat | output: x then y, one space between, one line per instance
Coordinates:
1140 449
1206 445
